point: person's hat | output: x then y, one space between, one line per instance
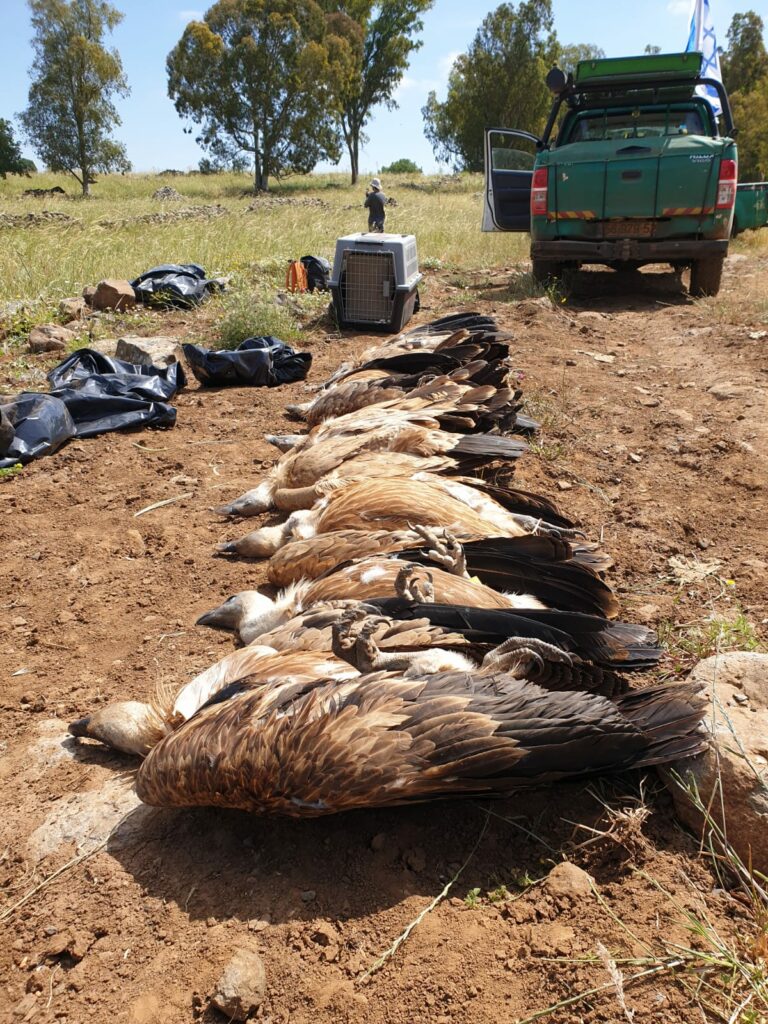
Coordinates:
376 183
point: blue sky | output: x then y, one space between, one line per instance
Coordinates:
152 131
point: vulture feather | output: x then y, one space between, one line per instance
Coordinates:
376 741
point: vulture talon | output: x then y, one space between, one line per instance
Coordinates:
414 590
516 654
444 549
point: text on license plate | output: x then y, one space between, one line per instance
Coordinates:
628 228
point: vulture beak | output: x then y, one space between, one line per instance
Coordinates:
80 727
222 617
284 442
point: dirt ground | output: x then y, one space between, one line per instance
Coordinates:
653 439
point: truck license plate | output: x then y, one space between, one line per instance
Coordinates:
628 228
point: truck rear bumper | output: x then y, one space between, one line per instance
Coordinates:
629 249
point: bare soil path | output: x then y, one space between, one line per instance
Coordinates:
654 439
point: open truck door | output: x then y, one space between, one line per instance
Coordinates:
509 160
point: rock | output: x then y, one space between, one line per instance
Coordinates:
107 346
112 293
726 389
379 841
565 485
308 895
50 338
88 292
567 879
415 859
72 309
738 758
167 193
325 935
162 350
241 988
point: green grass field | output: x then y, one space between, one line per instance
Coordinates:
45 262
109 235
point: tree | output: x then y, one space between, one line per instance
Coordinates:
750 113
499 81
255 76
572 53
402 166
11 160
745 60
379 38
70 113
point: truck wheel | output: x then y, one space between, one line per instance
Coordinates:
705 276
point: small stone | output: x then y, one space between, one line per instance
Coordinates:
113 293
635 457
50 338
308 895
134 544
72 309
66 616
259 924
415 859
241 988
325 935
725 390
18 621
23 1010
564 485
379 841
571 362
162 350
650 403
566 879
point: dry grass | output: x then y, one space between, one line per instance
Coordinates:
43 263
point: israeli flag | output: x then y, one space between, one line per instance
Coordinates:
702 38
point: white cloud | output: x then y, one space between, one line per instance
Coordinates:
445 63
679 8
186 16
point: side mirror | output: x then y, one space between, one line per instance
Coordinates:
556 81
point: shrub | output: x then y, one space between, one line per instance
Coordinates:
402 166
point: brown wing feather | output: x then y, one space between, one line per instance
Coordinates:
308 559
395 505
375 577
377 741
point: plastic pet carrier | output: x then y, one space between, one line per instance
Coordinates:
375 281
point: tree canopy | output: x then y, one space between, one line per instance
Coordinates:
255 76
70 113
402 166
11 160
375 41
499 81
745 60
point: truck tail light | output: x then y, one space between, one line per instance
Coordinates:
726 185
539 192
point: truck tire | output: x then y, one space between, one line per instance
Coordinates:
706 276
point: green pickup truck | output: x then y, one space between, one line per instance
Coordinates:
632 168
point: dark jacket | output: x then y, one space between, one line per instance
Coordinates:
375 203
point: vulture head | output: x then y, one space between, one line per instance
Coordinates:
250 613
252 503
130 726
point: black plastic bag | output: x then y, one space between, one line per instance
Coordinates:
259 362
116 377
173 284
41 424
318 273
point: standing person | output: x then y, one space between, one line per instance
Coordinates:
375 201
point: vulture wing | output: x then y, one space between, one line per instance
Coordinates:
376 741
